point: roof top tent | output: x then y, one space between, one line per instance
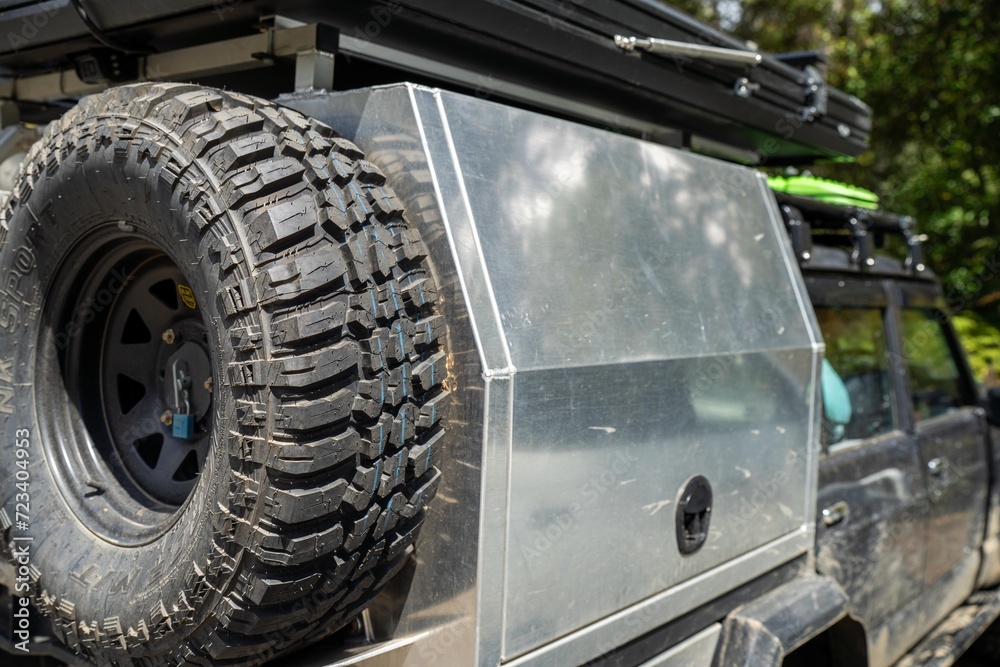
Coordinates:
633 361
551 55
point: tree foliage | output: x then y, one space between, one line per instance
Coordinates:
929 70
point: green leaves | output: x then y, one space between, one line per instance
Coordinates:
929 69
982 343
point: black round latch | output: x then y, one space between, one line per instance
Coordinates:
694 510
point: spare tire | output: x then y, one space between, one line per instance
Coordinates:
223 365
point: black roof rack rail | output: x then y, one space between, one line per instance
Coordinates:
807 218
699 87
801 59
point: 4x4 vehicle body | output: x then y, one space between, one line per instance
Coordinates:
637 465
903 486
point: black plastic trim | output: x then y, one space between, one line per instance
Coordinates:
663 638
563 49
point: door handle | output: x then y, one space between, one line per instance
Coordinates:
835 513
935 467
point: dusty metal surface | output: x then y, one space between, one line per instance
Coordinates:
956 634
697 650
625 316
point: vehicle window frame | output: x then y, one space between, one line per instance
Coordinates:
882 311
865 291
928 298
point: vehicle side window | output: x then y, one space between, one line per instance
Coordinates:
935 383
857 391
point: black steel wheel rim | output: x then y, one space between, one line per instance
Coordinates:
149 331
127 345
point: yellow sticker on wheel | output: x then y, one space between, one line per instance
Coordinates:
187 296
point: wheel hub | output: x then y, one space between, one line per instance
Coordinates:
123 325
155 371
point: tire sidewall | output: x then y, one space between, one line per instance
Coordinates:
167 586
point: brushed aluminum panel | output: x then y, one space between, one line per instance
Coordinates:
606 249
600 455
616 308
696 651
599 638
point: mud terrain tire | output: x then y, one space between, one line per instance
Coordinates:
317 431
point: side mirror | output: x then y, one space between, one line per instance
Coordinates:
993 406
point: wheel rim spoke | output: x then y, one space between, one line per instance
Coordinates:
173 455
147 328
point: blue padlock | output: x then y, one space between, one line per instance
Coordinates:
183 426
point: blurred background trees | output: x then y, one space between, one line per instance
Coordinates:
930 70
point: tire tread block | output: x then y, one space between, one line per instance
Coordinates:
331 353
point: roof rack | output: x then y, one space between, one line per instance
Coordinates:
860 228
697 87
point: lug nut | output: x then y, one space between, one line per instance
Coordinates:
169 336
209 385
167 418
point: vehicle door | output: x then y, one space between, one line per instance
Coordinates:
872 495
950 431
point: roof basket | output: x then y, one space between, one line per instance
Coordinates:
806 218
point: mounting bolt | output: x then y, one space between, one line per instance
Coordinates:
169 336
167 418
209 385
